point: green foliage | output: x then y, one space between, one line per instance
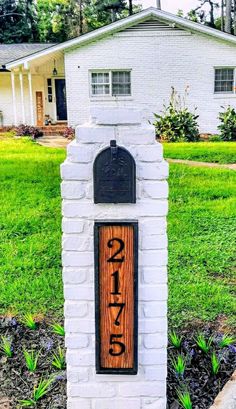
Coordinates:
6 347
203 344
56 20
215 138
179 365
224 152
184 399
215 364
177 123
58 329
226 341
175 340
29 322
227 125
39 392
59 360
31 360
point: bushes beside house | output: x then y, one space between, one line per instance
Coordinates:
177 123
227 125
27 130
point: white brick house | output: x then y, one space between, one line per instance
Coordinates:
132 62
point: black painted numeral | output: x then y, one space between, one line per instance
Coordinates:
114 342
112 259
116 283
121 306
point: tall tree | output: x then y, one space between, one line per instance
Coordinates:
228 16
18 21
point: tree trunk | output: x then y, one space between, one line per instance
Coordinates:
228 19
159 4
130 7
80 17
222 15
212 19
234 17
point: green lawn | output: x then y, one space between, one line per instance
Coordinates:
30 227
218 152
202 236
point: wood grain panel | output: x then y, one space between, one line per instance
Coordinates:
116 249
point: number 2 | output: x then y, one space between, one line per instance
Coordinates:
112 259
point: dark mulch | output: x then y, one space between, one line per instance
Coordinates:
203 386
16 382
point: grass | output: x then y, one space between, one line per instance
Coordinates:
30 227
202 236
216 152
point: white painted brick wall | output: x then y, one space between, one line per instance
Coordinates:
158 61
86 389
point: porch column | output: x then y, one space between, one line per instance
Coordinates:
31 98
13 96
22 96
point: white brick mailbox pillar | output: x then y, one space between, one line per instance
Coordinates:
86 389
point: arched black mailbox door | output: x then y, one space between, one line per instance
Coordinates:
114 176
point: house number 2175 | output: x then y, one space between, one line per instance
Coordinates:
119 306
116 297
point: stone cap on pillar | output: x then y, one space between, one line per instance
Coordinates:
116 116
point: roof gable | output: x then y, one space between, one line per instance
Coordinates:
127 23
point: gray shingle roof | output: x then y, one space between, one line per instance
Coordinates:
11 52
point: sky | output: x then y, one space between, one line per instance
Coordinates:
170 5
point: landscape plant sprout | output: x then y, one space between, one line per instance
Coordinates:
39 392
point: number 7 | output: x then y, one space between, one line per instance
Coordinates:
121 305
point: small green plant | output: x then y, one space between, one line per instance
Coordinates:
58 329
203 344
179 365
31 360
175 340
6 347
215 364
59 359
215 138
176 122
226 341
39 392
29 322
184 399
227 125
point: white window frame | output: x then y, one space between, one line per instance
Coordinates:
225 93
110 95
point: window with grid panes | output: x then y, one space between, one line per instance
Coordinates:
113 83
121 83
100 82
224 80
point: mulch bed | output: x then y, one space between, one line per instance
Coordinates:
16 382
198 378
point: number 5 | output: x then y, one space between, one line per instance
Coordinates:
114 342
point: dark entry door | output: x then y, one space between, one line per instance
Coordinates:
60 86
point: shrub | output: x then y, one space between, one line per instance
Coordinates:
69 133
227 126
177 123
26 130
215 138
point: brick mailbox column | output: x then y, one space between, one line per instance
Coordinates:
86 388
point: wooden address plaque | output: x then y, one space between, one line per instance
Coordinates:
116 278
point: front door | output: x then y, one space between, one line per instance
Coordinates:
60 87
